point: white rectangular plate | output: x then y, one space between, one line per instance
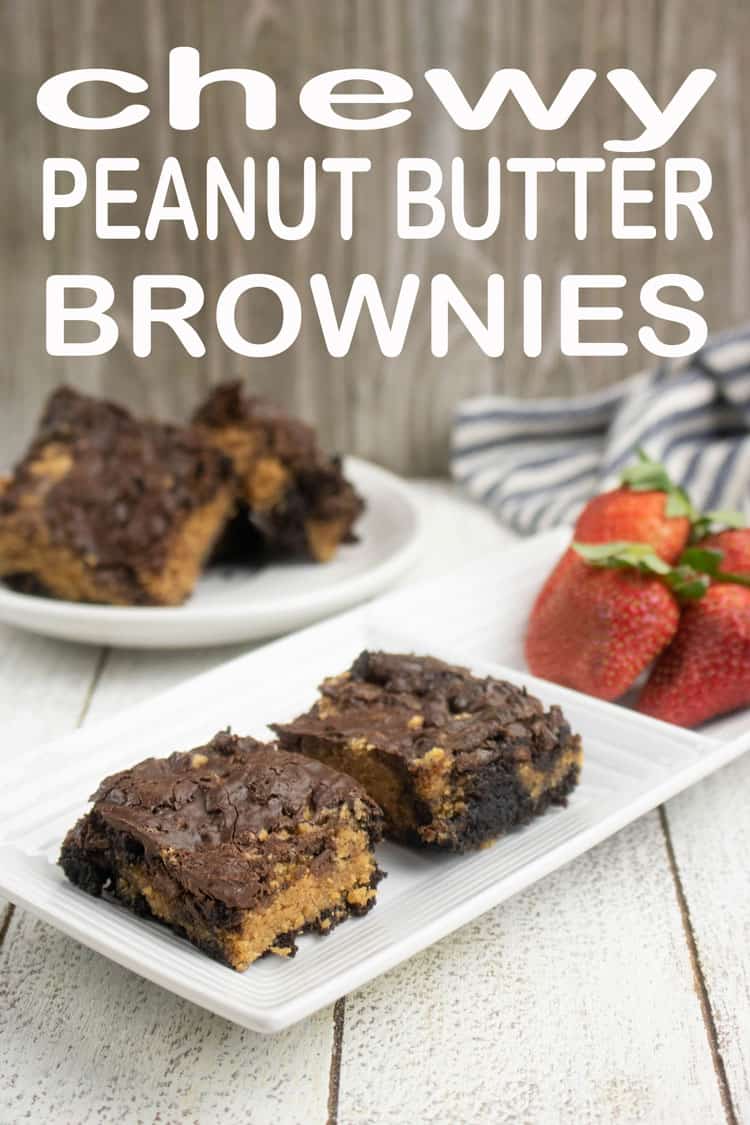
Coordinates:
476 616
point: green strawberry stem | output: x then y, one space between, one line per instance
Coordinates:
734 579
647 475
722 519
708 561
689 580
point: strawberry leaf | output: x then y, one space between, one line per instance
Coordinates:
618 554
686 581
647 475
679 504
686 584
704 559
723 518
708 561
727 517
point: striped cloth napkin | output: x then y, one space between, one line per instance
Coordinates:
536 462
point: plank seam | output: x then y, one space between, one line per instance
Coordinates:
88 699
334 1076
5 924
701 987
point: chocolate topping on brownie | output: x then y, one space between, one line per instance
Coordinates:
278 435
405 705
454 760
208 809
122 484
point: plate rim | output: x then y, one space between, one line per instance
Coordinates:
53 613
272 1020
267 1019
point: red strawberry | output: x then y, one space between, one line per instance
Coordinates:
624 515
705 672
567 562
649 508
735 548
639 517
595 629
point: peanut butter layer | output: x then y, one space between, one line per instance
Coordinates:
236 845
452 759
105 508
295 494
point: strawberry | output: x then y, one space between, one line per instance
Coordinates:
647 508
735 548
658 515
639 517
558 575
597 629
705 672
610 607
573 635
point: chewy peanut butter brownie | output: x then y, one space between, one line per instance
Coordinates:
104 508
237 846
452 760
295 494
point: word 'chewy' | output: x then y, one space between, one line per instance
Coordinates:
323 101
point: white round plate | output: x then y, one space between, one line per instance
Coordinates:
234 604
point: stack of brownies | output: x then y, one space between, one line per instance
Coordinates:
240 846
107 508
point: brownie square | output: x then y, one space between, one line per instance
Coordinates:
291 491
237 846
105 508
452 760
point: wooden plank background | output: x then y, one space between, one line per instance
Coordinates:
395 411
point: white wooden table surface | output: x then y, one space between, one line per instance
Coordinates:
617 990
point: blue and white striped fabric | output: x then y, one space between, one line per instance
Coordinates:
536 462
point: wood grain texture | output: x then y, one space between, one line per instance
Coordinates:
87 1041
29 716
396 411
571 1003
711 838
